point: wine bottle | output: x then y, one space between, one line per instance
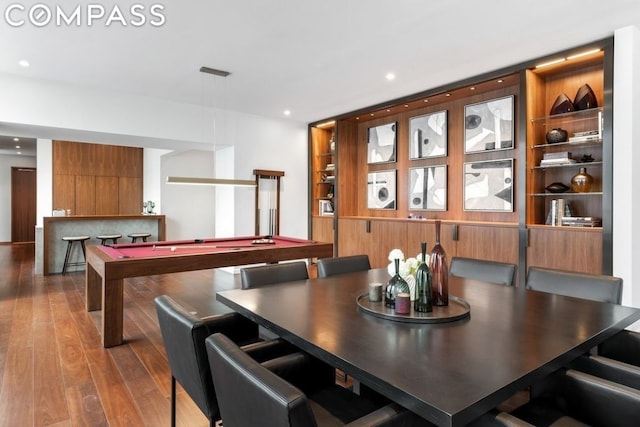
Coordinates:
424 290
439 272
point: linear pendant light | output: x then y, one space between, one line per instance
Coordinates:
212 181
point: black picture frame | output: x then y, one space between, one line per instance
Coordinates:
428 136
381 143
489 125
381 190
488 186
428 188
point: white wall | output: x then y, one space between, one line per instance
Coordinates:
626 158
6 163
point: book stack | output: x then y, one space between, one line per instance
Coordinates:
581 221
588 136
559 158
559 209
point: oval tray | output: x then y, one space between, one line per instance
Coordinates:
457 309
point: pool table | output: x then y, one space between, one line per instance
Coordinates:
108 266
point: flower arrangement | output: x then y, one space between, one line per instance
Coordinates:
408 267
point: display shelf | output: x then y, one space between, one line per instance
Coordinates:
568 165
591 193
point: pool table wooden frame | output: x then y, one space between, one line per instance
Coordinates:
104 276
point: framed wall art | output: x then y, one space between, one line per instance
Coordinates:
428 135
488 125
428 188
488 186
381 189
381 143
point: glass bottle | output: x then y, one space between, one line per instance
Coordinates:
439 272
581 182
424 290
395 285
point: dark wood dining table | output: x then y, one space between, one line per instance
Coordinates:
450 372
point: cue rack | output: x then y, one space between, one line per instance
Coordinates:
267 202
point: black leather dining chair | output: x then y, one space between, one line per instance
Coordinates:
291 391
572 395
500 273
270 274
624 347
184 334
341 265
579 285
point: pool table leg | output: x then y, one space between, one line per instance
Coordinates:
112 312
93 288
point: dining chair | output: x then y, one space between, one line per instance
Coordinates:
184 334
624 347
609 369
341 265
500 273
270 274
580 285
578 397
291 391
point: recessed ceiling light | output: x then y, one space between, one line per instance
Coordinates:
16 139
372 114
19 152
286 112
447 94
426 100
390 76
17 146
472 88
24 63
500 80
388 110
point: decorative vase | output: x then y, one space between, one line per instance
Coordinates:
439 272
562 105
394 286
585 98
424 289
581 182
556 135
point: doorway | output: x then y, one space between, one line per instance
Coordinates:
23 204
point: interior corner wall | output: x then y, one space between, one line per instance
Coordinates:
626 158
151 177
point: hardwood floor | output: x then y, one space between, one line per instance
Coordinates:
53 369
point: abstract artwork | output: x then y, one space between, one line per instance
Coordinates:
488 125
428 135
488 186
428 188
381 189
381 144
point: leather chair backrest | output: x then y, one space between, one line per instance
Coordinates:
624 346
252 395
184 337
579 285
487 271
264 275
341 265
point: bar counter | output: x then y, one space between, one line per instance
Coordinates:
56 227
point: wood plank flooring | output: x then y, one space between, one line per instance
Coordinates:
53 369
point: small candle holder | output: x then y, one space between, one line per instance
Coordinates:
375 292
403 303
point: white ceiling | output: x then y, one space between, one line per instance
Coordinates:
317 59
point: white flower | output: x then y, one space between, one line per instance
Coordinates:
412 265
396 254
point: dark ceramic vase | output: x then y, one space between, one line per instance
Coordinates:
556 187
395 286
562 105
585 98
556 135
424 288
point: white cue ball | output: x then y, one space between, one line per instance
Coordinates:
173 248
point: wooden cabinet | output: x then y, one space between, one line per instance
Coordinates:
520 236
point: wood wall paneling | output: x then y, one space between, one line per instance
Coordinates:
322 228
560 247
97 179
130 195
106 198
85 195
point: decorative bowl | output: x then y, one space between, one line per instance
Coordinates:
556 135
557 187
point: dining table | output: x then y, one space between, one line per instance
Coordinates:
449 368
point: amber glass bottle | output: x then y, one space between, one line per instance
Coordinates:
439 272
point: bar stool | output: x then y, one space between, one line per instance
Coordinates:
104 238
70 241
136 236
